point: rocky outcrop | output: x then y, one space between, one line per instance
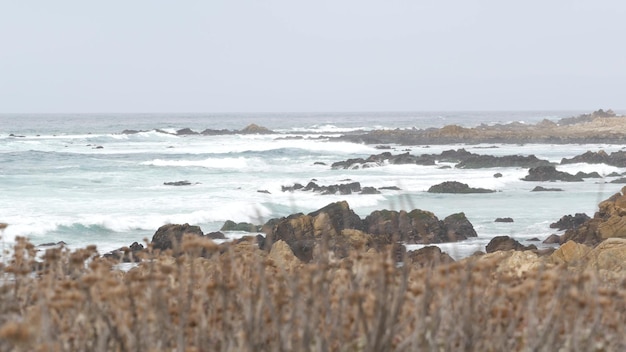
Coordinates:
588 157
418 226
591 128
456 187
608 222
487 161
255 129
550 173
570 222
343 188
428 257
177 183
506 243
462 157
337 228
230 225
544 189
503 219
170 236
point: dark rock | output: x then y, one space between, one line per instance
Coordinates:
169 236
487 161
549 173
216 235
230 225
457 228
543 189
210 132
369 190
506 243
619 180
503 220
50 244
588 175
186 132
601 157
319 163
177 183
391 188
570 222
497 175
428 257
552 239
418 226
534 239
98 147
126 254
255 129
263 191
456 187
131 131
296 186
383 147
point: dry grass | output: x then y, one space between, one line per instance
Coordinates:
242 300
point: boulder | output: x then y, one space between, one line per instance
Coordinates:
456 187
186 132
457 228
610 255
428 257
217 235
230 225
550 173
544 189
570 253
170 236
503 220
506 243
570 222
515 264
255 129
282 256
418 226
497 175
552 239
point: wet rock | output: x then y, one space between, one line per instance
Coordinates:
497 175
503 220
428 257
170 236
488 161
216 235
230 225
255 129
369 190
549 173
263 191
186 132
391 188
552 239
601 157
456 187
544 189
506 243
570 222
177 183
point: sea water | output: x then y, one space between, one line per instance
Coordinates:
76 178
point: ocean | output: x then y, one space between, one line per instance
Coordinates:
76 178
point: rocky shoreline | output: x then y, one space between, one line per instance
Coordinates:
597 127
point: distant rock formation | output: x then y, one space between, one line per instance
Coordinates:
456 187
549 173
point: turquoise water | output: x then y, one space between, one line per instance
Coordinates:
57 185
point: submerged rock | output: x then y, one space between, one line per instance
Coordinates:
544 189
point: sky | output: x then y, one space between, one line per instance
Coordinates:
310 56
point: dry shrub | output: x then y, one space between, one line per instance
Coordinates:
240 299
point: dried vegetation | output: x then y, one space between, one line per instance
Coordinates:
245 299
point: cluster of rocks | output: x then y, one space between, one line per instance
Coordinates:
462 158
250 129
334 227
344 188
599 127
601 157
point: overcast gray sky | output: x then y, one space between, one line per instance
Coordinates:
288 55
